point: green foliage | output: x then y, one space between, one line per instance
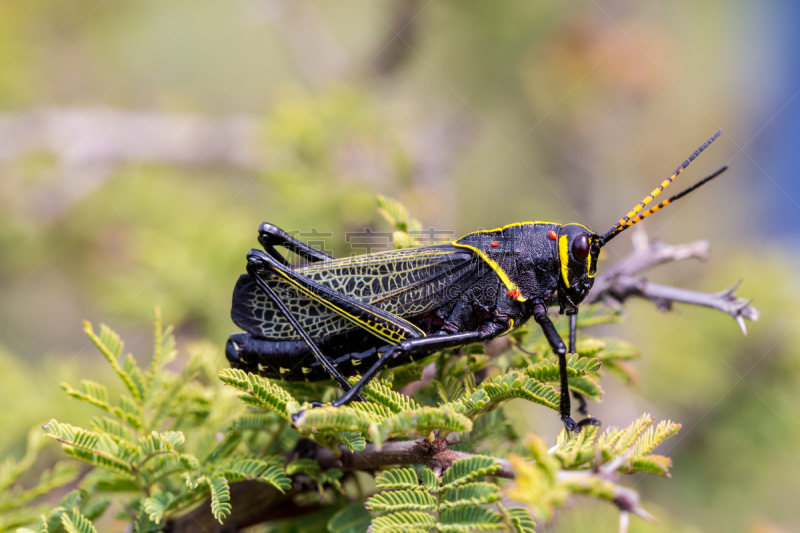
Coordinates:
15 502
170 441
152 440
459 504
77 523
582 464
353 518
411 500
401 221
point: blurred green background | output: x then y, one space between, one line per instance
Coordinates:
142 142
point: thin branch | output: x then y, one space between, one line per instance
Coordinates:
255 502
623 281
436 457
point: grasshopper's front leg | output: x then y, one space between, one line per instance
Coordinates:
552 336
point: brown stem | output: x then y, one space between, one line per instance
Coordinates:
254 502
623 281
435 456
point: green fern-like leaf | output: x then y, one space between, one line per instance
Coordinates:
91 392
163 347
100 460
11 470
464 471
247 468
90 447
104 424
586 386
352 519
353 440
63 472
466 519
303 466
380 392
129 411
77 523
429 480
405 521
137 377
548 369
613 441
156 505
402 500
421 422
575 449
653 436
220 496
155 443
518 518
276 477
334 419
376 412
589 346
256 422
653 464
494 392
264 393
164 465
478 493
251 468
110 346
398 478
397 215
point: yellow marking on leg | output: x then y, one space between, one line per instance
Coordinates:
355 362
284 370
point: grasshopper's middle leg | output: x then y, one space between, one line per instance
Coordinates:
422 345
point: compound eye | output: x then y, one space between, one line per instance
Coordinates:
580 247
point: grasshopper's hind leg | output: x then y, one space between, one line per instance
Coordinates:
324 360
271 236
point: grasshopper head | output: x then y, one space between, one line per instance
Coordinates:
578 248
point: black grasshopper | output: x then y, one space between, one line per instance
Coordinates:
334 318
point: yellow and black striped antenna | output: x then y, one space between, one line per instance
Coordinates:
635 216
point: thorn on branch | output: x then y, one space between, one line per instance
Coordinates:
623 281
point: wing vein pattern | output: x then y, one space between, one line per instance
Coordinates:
405 283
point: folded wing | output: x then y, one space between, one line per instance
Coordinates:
406 283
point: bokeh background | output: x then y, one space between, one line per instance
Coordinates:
142 142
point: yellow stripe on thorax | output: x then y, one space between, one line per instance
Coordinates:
494 266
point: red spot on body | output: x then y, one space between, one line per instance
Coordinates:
553 235
513 293
494 244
